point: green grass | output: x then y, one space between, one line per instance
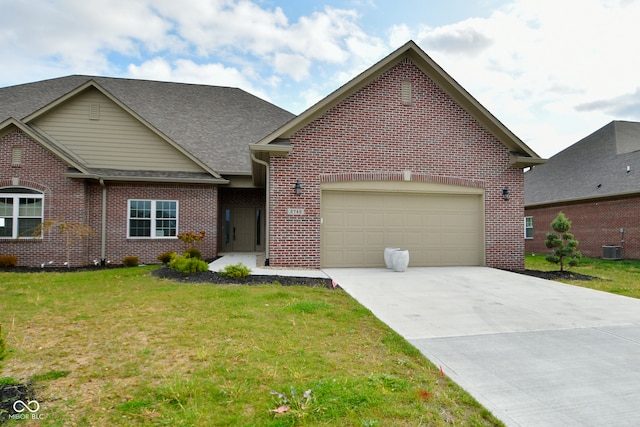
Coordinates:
120 347
619 277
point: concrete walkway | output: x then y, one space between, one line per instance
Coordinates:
250 260
534 352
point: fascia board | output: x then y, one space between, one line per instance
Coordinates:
145 179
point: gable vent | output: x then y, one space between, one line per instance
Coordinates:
16 156
94 112
406 92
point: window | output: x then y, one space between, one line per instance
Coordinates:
20 212
528 227
153 218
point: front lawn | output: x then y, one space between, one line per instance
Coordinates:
619 277
121 347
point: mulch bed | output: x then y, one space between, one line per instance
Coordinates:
219 279
165 272
555 275
9 394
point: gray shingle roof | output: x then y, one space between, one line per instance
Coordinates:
594 167
215 124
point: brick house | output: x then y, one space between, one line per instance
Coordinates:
596 184
399 156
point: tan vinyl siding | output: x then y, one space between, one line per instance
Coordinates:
104 135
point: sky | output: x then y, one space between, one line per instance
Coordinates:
552 71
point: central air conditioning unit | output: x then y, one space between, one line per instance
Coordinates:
612 252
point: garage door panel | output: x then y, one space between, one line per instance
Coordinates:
414 220
438 229
413 240
374 220
394 219
354 238
354 218
375 238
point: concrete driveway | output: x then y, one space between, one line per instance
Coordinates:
534 352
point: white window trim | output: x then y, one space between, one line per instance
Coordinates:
15 214
152 219
525 227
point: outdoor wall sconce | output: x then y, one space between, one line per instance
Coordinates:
298 188
505 193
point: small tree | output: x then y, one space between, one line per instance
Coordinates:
191 239
70 231
565 246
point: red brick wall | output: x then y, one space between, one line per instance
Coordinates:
593 224
81 202
373 132
197 210
63 199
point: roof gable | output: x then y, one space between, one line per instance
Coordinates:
104 135
522 155
112 143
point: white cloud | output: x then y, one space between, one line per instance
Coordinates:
399 34
187 71
467 39
295 66
72 29
533 63
538 65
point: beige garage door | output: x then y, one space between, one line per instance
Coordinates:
437 229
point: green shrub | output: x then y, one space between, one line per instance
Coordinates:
8 261
565 246
185 264
236 271
165 257
130 261
193 253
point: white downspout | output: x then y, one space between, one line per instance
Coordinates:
267 215
103 231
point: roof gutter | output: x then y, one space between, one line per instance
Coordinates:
81 175
583 199
267 232
103 230
525 161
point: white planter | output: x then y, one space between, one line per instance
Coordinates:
388 252
400 259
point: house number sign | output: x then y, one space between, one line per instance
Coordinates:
295 211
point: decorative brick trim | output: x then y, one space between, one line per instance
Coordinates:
399 176
25 183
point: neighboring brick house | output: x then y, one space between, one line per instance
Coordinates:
596 184
399 156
